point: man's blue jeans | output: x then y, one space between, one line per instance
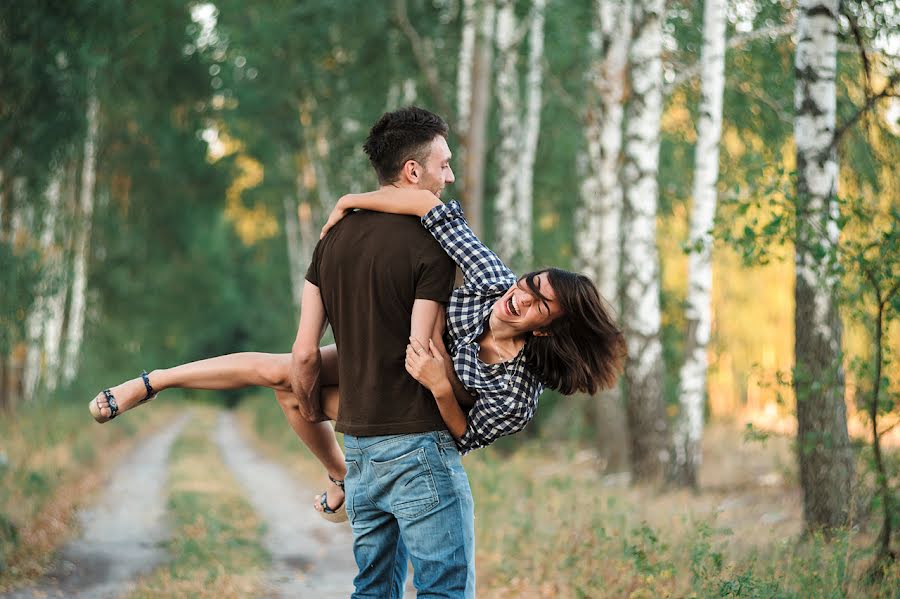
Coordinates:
409 495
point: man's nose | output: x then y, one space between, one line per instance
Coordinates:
450 178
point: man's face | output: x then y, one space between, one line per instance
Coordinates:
436 169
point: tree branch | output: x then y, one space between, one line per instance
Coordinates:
738 41
424 56
871 100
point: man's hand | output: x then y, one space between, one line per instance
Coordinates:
427 365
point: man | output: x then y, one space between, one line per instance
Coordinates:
380 279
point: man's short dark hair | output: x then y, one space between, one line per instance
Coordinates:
402 135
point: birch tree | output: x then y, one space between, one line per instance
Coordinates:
519 129
692 392
597 237
36 317
75 330
641 317
825 457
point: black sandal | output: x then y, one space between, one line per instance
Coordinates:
114 406
337 515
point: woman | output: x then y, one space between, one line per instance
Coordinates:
506 339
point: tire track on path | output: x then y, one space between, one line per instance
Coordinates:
311 557
122 530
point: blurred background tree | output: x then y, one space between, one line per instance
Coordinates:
165 168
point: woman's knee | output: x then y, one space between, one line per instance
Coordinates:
274 369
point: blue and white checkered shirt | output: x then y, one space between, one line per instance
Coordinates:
506 394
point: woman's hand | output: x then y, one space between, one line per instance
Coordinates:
426 365
337 213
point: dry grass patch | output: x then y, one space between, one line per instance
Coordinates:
54 459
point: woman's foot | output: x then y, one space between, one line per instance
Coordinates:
332 499
111 402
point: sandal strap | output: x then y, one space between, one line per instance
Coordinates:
323 501
150 393
339 483
113 406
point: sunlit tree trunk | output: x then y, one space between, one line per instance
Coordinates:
826 461
508 233
641 315
475 137
58 271
598 226
34 327
698 312
75 331
519 129
531 129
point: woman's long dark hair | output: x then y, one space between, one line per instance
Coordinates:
585 350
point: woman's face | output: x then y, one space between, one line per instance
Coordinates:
524 310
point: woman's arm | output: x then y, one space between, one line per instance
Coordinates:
427 367
394 200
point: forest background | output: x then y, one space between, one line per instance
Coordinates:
165 168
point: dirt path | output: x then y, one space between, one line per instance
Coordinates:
124 529
121 532
311 557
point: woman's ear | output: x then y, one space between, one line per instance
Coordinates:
541 333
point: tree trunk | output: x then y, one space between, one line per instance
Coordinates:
475 136
641 316
295 255
506 217
698 313
75 332
825 457
38 314
58 271
530 131
597 239
464 76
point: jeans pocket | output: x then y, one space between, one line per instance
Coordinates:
351 482
412 488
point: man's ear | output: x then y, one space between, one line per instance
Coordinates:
411 171
541 333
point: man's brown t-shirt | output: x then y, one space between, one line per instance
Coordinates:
370 268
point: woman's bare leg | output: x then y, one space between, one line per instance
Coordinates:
233 371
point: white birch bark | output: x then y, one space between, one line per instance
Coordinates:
506 217
698 313
519 130
641 315
34 326
598 239
598 235
58 272
75 330
825 456
530 132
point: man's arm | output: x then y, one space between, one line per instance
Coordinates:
437 337
306 361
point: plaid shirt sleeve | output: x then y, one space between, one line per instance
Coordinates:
483 271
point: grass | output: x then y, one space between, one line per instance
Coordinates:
548 524
52 456
216 546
